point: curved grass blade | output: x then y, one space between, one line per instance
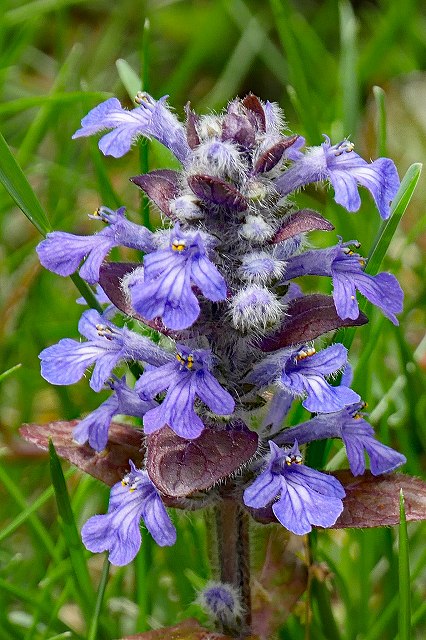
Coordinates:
386 233
19 189
388 227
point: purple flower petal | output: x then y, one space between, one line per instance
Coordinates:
150 118
345 169
62 252
213 394
94 427
263 490
118 531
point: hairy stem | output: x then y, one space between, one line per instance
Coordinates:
234 555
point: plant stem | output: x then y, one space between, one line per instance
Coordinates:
234 555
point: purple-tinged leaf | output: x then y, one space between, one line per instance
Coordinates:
217 191
373 501
273 155
186 630
253 104
180 467
279 572
239 129
109 466
161 186
191 128
307 318
301 222
110 277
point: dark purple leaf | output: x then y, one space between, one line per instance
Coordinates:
279 572
238 129
373 501
307 318
110 277
125 443
191 129
272 156
180 467
300 222
161 186
186 630
217 191
253 104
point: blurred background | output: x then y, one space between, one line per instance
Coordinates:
320 61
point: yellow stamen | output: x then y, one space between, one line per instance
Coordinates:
305 353
178 245
141 97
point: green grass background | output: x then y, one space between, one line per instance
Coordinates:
320 61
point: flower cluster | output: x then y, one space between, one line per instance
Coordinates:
231 328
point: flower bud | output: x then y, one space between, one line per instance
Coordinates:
256 229
261 267
222 602
186 208
255 308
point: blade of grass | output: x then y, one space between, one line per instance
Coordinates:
18 187
281 10
29 510
238 65
128 76
388 227
42 121
404 575
348 64
93 630
22 104
33 520
269 53
33 10
386 233
74 545
9 372
379 97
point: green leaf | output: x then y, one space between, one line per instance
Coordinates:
82 580
404 575
128 77
19 189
